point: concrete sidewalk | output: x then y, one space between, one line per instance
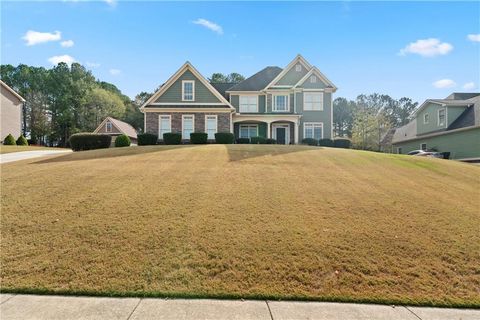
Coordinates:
65 308
23 155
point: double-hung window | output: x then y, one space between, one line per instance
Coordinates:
248 103
108 127
313 130
164 125
188 126
248 130
280 103
313 101
441 117
188 90
211 126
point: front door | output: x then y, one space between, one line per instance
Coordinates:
281 134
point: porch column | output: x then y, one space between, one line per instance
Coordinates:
296 132
268 130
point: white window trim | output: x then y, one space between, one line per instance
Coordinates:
426 120
248 95
274 102
313 79
247 125
311 93
107 125
286 126
444 118
312 123
421 146
298 67
193 124
193 90
160 136
216 124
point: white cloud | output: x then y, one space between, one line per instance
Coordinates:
67 43
209 25
427 48
114 72
469 86
111 3
474 37
65 58
34 37
444 83
92 64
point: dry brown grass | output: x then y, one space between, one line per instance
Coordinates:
10 149
239 220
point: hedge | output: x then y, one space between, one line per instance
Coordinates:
9 140
342 143
22 141
89 141
258 140
271 141
243 141
310 141
122 141
172 138
325 142
198 138
224 137
147 139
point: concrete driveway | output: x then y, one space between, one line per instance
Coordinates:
63 307
23 155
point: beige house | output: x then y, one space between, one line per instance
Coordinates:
10 112
115 127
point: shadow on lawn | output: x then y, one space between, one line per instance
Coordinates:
110 153
239 152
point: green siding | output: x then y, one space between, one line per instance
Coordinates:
292 77
463 144
262 128
174 93
316 85
316 116
432 110
269 104
453 113
235 101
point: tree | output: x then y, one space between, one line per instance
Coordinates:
343 117
218 78
230 78
235 77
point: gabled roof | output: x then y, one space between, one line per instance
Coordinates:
186 66
121 126
298 59
12 91
314 70
258 81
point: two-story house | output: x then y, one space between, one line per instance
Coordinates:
446 125
284 104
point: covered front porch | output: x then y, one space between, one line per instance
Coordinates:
282 128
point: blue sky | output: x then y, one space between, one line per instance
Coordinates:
419 50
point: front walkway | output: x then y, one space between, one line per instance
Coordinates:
23 155
63 307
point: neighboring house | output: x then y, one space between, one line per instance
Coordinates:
10 112
446 125
115 127
284 104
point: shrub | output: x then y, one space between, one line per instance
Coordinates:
198 138
271 141
258 140
243 141
224 137
172 138
147 139
310 141
122 141
325 142
89 141
9 140
342 143
22 141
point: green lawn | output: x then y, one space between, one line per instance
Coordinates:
253 221
10 149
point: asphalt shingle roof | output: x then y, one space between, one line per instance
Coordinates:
222 87
258 81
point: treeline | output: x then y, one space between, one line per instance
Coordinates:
368 118
65 100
